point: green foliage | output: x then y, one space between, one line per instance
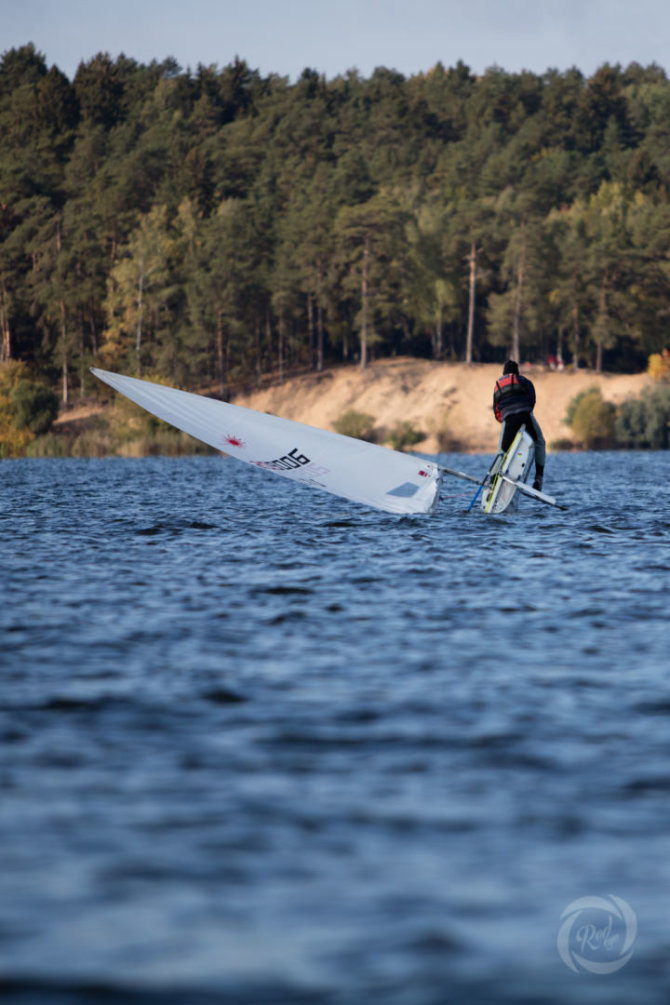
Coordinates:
404 435
218 225
138 289
35 406
644 423
592 419
360 425
27 408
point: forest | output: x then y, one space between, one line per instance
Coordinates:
217 227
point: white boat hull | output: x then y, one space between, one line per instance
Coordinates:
502 496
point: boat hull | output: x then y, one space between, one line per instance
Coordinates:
502 497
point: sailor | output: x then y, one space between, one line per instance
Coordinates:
513 404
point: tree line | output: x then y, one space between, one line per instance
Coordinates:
216 226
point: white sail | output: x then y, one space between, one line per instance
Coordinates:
363 472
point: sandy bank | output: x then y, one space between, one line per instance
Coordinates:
448 397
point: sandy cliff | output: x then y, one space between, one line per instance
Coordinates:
436 397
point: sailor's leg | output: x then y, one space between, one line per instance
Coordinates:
540 451
510 428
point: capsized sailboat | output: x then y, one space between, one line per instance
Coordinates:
506 476
501 494
363 472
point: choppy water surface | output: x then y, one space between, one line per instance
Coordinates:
262 745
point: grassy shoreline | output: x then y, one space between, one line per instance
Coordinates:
105 432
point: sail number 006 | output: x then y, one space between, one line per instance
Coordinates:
286 463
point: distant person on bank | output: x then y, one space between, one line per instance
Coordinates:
513 404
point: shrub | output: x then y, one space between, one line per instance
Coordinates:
561 444
592 419
360 425
448 440
659 366
403 435
13 442
26 408
644 423
35 406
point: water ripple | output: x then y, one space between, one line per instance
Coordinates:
263 745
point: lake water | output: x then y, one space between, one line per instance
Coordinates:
261 745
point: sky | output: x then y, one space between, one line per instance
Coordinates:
333 36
